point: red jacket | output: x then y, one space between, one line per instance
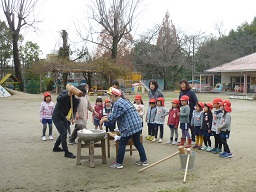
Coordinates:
99 110
173 118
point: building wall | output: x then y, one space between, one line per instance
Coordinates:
225 78
230 80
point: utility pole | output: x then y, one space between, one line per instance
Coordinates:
193 59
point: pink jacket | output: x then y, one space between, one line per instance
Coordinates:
46 110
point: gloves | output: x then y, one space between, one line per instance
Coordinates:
117 137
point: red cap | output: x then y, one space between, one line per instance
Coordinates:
107 100
176 101
46 94
162 100
201 104
209 105
137 97
226 105
152 100
184 98
217 101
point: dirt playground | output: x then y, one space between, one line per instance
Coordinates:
28 164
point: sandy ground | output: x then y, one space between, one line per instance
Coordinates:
28 164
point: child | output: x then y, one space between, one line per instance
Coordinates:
173 121
150 119
115 84
206 126
184 121
196 121
216 122
139 106
161 112
46 110
97 116
106 111
224 128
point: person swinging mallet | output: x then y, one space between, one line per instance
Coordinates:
66 101
77 92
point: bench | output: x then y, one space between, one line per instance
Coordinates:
111 136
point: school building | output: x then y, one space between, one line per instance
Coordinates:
238 75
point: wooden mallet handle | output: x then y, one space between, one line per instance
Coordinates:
181 149
74 90
186 170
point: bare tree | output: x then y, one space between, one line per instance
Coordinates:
20 10
117 19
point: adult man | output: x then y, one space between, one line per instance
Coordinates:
60 121
129 124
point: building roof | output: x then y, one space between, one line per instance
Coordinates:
243 64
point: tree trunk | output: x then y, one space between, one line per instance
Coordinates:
65 79
17 65
65 54
114 47
88 78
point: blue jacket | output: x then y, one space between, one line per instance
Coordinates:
151 115
126 116
197 118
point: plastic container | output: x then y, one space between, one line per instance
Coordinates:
183 160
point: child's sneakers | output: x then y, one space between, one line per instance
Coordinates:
117 165
195 146
216 151
151 138
50 137
168 142
221 154
204 148
209 149
213 149
226 155
148 137
154 140
160 140
44 138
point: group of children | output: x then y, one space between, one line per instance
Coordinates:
205 122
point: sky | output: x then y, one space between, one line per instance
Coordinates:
190 16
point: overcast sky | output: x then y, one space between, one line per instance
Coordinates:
191 16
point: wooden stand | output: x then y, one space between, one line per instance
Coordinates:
111 136
91 155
